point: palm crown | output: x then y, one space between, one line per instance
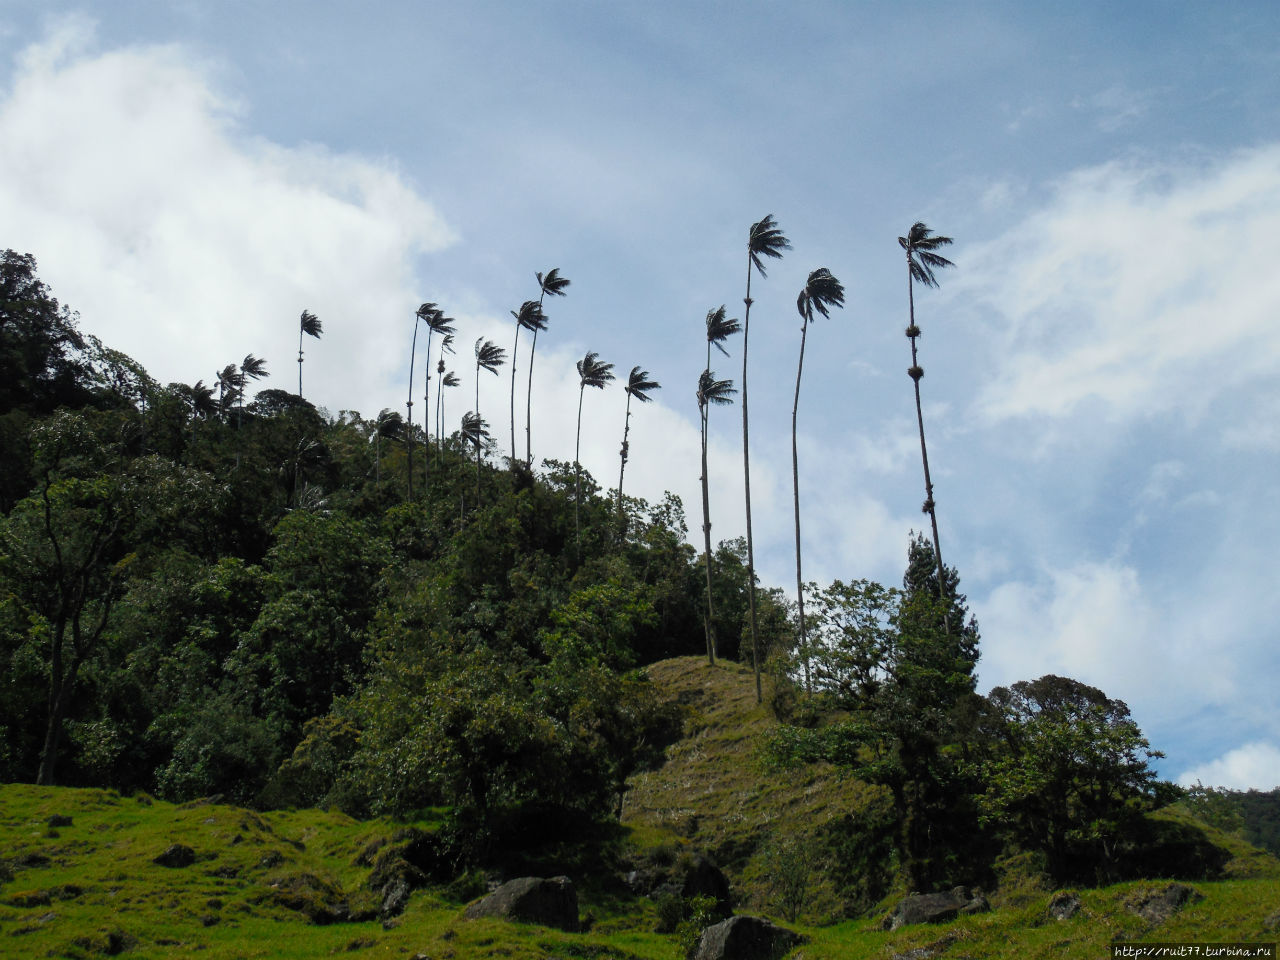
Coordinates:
713 392
821 292
594 372
489 355
551 283
920 244
530 316
639 384
766 239
310 324
720 328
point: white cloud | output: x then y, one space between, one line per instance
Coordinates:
1252 766
188 243
1136 288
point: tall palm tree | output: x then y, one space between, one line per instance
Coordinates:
711 392
436 322
528 317
764 239
549 284
489 356
719 329
449 379
422 313
310 325
920 244
639 386
821 292
446 346
252 368
592 372
203 406
231 383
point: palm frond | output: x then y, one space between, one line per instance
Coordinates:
475 429
201 399
530 316
427 311
721 328
389 425
439 323
639 385
551 283
253 368
766 239
714 392
451 379
594 372
489 355
821 292
230 378
310 324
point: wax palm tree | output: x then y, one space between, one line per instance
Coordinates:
764 239
446 346
203 406
231 383
592 372
489 356
711 392
419 315
436 322
310 325
549 284
821 292
719 329
252 368
919 245
528 317
449 379
639 386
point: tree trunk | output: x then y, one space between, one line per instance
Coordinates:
746 476
409 405
710 625
795 480
515 349
577 473
626 431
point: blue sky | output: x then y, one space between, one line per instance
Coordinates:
1101 395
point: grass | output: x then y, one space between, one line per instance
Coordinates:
263 883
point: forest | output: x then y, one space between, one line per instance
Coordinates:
205 592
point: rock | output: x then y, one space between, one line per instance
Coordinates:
552 903
1157 906
1064 906
979 904
745 938
928 908
395 897
178 855
702 878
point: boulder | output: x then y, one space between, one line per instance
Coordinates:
552 903
934 908
395 897
1064 905
177 855
745 938
1157 906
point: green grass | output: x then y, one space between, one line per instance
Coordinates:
90 889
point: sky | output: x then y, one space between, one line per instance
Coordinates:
1101 399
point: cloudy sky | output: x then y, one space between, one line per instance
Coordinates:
1102 393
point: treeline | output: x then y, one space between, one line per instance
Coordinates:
202 593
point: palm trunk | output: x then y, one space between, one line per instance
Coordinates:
426 423
528 407
479 438
795 480
746 476
409 405
577 473
626 431
916 372
300 332
515 351
440 421
710 625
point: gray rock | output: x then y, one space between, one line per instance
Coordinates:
1157 906
178 855
552 903
1064 906
927 908
395 897
745 938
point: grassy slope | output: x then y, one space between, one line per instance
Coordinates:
99 890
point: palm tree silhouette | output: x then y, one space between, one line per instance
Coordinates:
422 313
251 368
310 325
639 386
920 244
764 239
203 406
528 317
449 379
549 284
489 356
436 322
391 426
475 430
231 383
711 392
592 372
821 292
